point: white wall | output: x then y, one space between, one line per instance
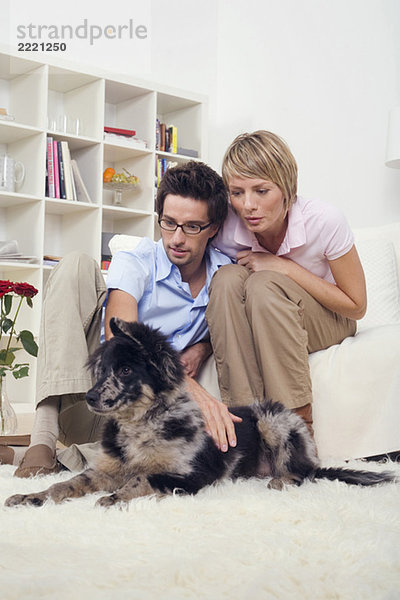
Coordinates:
321 73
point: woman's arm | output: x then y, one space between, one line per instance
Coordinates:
348 297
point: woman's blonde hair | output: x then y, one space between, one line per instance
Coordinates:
262 155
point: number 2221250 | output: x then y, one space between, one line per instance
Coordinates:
41 47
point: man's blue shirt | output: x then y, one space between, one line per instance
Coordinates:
164 300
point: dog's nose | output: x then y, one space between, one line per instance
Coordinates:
92 397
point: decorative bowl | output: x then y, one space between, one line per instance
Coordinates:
119 187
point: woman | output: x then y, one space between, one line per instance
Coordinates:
298 285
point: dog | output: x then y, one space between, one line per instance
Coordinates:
154 440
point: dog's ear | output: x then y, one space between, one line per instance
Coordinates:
120 328
160 355
166 364
161 358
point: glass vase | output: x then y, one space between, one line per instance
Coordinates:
8 418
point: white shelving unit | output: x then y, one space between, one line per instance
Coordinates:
44 99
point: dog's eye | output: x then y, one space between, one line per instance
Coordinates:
125 371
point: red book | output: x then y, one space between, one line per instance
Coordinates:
56 170
50 166
127 132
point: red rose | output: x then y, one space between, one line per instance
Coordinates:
25 289
5 288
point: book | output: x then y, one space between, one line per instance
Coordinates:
82 194
161 166
50 167
158 172
66 158
172 140
105 265
123 140
52 257
158 134
163 129
56 170
50 260
188 152
61 172
74 196
118 131
46 190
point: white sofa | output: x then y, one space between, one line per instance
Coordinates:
356 384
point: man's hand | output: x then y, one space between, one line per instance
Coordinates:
219 421
193 357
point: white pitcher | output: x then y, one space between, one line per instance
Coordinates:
12 173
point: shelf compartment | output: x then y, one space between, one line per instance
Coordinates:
11 132
76 98
75 142
187 116
76 229
23 223
88 158
117 152
119 212
23 94
10 199
180 158
130 107
143 167
31 152
128 222
56 206
9 267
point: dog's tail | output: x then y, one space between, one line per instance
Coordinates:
354 477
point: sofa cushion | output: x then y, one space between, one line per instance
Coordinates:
380 268
356 387
123 242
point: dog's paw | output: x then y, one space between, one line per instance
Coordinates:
276 484
279 483
108 501
26 500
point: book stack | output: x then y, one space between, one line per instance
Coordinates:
128 133
166 138
50 260
9 252
63 177
126 137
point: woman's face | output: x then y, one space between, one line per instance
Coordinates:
259 203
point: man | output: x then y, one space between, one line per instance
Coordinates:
163 284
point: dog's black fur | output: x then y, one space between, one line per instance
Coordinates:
154 440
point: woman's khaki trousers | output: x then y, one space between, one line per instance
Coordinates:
263 327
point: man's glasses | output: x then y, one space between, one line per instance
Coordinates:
188 228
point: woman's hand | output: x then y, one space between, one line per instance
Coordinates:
347 296
193 357
219 422
261 261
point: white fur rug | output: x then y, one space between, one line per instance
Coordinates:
235 541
